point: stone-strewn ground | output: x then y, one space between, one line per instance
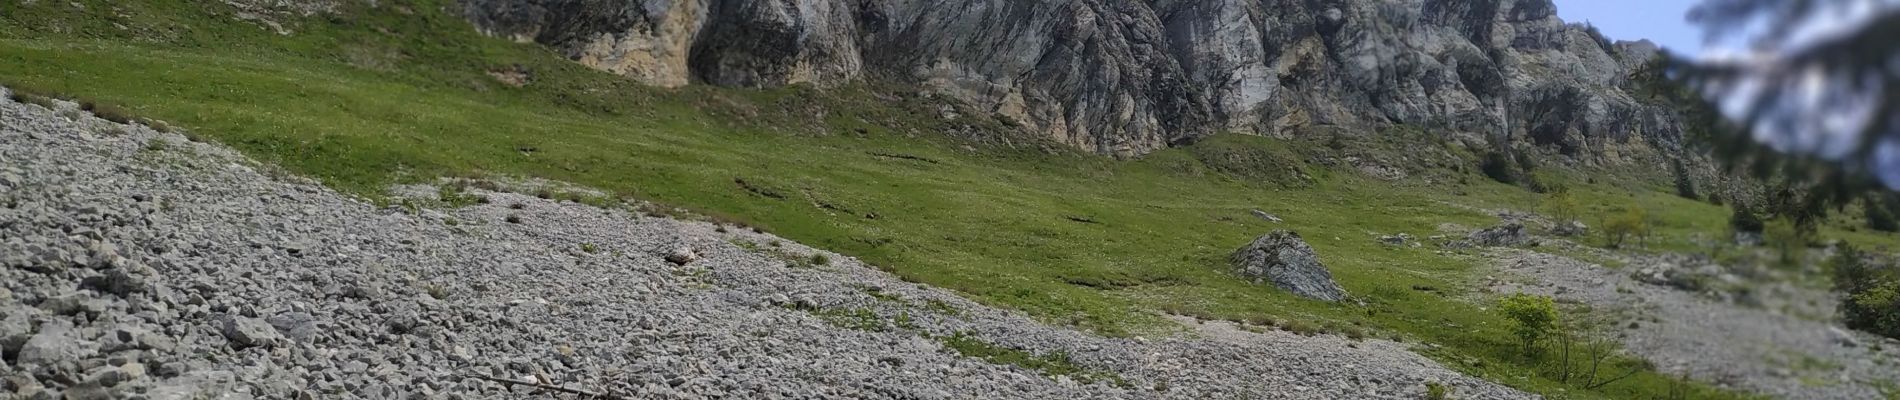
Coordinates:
141 264
1782 346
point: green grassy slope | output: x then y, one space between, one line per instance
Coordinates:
402 93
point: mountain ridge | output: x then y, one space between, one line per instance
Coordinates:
1127 78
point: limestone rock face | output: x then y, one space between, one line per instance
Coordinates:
1128 77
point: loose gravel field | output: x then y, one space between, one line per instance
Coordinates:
1777 351
142 264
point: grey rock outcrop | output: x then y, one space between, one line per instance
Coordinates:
1125 77
1569 229
1285 260
1510 234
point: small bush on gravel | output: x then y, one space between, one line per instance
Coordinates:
1436 391
38 100
1353 332
1053 364
71 114
109 112
942 308
1302 328
30 95
456 196
157 125
857 318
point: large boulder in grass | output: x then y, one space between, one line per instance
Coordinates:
1285 260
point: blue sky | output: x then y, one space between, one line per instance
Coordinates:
1660 21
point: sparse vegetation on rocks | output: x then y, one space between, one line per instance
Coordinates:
389 305
400 92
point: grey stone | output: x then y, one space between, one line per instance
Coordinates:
681 255
41 258
1842 337
69 304
1286 261
365 292
1570 229
36 393
194 385
403 322
248 332
298 326
115 281
1510 234
56 343
115 375
15 330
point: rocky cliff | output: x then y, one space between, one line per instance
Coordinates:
1127 77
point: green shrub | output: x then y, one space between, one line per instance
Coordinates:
1534 318
109 112
456 196
1561 205
1880 212
34 97
1051 364
1744 220
1302 328
1870 292
1632 223
1789 241
1499 167
1436 391
1876 310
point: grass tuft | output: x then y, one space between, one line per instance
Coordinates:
1052 364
